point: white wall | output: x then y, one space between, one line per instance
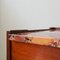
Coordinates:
27 14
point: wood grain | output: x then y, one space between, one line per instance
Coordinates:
26 51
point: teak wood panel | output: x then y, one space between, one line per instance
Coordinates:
25 51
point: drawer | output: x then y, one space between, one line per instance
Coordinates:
27 51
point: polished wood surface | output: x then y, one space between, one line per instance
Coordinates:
26 51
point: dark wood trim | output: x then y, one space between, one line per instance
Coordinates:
10 50
9 47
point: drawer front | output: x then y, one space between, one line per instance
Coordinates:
27 51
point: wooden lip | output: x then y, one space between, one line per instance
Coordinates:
32 31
